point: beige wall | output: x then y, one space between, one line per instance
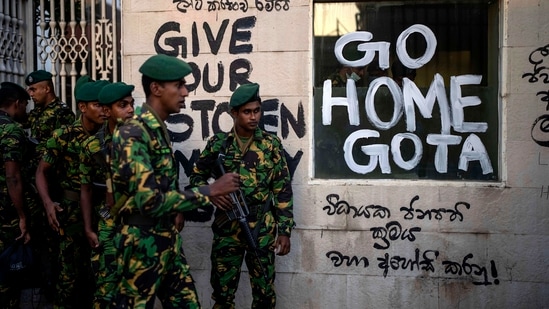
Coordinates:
505 229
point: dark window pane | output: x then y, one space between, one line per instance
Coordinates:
442 124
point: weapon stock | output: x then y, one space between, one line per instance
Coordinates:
240 212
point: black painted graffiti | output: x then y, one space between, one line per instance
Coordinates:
437 214
396 262
465 268
337 207
184 5
338 259
272 5
421 261
540 130
287 119
166 40
540 73
392 231
236 5
384 236
169 41
341 207
270 121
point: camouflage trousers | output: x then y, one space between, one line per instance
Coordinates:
229 250
104 265
74 286
152 264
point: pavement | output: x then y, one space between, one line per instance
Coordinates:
33 299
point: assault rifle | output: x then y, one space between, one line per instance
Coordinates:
239 212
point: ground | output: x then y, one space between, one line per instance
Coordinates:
32 299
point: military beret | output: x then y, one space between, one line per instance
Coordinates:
165 68
37 76
20 91
114 92
244 94
89 92
81 81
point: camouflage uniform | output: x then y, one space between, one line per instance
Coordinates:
42 121
13 147
94 170
62 151
150 254
264 175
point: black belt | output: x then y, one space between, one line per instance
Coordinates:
141 220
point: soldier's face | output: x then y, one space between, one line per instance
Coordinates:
246 118
38 92
122 109
173 96
93 112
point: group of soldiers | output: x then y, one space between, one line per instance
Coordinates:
97 196
56 167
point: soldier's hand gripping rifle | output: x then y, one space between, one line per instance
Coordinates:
239 212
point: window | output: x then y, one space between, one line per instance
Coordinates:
424 104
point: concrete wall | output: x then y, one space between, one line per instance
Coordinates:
487 250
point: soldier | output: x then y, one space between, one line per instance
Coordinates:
266 190
73 287
147 196
95 172
49 113
13 177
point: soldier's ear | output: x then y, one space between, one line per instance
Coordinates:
107 111
82 106
48 87
156 88
234 112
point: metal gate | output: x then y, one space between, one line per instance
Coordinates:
67 38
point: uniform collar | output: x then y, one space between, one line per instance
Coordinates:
153 121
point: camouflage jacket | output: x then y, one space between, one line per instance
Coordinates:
43 120
13 146
144 171
263 172
63 152
94 169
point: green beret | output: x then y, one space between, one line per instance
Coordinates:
114 92
89 92
165 68
20 91
245 94
37 76
81 81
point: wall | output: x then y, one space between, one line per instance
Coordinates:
369 243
